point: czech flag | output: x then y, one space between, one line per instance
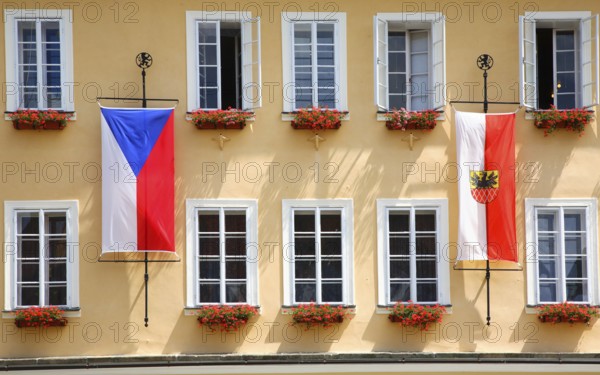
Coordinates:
138 180
485 146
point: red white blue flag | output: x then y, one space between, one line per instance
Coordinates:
138 180
485 146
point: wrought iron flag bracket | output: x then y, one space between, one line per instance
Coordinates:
485 62
144 61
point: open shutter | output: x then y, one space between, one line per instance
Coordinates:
381 65
438 66
527 55
251 66
590 91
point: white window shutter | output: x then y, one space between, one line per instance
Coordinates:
438 52
251 64
527 55
380 33
590 94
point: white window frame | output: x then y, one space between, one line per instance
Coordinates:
347 208
383 260
287 43
250 56
10 248
591 207
64 17
192 206
587 64
434 23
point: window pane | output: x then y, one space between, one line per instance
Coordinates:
566 82
304 245
548 291
26 31
207 54
419 63
426 268
235 245
57 248
419 42
57 271
399 269
565 61
426 245
397 83
208 221
28 223
397 41
418 86
235 293
209 269
56 223
547 268
302 55
305 269
574 221
565 40
575 267
209 293
57 295
235 221
546 222
331 245
397 101
208 98
399 245
331 221
574 244
397 62
29 295
304 221
207 32
325 55
207 78
565 101
425 221
29 271
302 33
331 292
546 245
577 291
208 245
325 33
426 291
331 269
28 247
399 221
399 291
306 292
235 269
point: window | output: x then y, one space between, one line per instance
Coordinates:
318 241
409 61
559 60
41 253
413 263
314 60
39 59
222 252
223 58
562 251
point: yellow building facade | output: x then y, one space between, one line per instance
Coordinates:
363 58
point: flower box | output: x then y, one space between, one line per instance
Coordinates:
50 316
406 120
227 318
566 313
414 315
574 120
317 118
220 119
39 119
318 315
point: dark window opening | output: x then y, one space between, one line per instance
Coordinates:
545 68
231 66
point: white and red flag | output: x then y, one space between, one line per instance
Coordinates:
485 147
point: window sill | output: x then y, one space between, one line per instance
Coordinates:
74 312
287 310
72 113
385 310
529 113
191 311
531 309
291 116
381 116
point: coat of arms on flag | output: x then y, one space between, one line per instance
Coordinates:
485 146
138 184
